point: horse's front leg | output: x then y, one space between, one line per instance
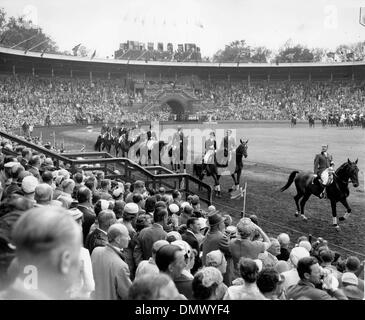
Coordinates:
348 212
334 215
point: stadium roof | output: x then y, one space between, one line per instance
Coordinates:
18 61
174 63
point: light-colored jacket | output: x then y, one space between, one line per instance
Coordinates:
111 274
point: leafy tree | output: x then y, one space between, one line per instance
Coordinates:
297 53
84 52
239 51
16 31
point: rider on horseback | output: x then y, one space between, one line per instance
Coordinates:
323 169
210 150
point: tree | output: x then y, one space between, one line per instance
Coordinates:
84 52
319 54
298 53
16 31
239 51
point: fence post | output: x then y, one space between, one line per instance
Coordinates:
244 199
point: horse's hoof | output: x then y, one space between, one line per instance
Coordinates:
296 214
304 217
337 227
341 219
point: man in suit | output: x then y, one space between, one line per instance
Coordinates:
179 147
111 273
310 276
149 235
34 165
215 234
26 156
323 168
193 228
98 238
84 198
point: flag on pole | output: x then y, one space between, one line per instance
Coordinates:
75 49
362 16
93 55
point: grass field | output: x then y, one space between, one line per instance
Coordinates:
274 151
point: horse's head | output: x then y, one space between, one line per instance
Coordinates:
244 147
353 172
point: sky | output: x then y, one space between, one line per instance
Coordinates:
102 25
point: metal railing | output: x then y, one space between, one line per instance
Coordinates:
128 170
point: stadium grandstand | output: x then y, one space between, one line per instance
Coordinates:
94 225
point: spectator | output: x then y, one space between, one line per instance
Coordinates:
193 228
148 267
353 265
111 273
29 185
156 286
98 238
146 238
247 291
215 234
50 240
244 246
85 284
208 284
284 241
350 286
26 156
84 205
269 283
105 189
34 165
217 260
170 260
291 276
310 276
269 257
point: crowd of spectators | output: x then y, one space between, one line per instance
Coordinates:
55 101
88 237
280 100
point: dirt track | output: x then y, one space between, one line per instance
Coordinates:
274 151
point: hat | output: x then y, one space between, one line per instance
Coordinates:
75 213
184 246
117 192
214 258
211 208
184 204
159 244
281 266
29 184
202 223
48 161
195 200
231 230
245 228
350 278
296 254
10 164
174 208
259 264
131 208
306 245
174 234
214 218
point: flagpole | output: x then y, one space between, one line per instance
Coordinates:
54 139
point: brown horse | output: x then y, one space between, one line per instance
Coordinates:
337 191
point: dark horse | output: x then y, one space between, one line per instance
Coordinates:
234 166
104 141
337 191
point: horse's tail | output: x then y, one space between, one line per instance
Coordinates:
290 181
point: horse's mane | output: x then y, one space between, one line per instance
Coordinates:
342 166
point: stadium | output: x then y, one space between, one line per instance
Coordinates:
59 106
